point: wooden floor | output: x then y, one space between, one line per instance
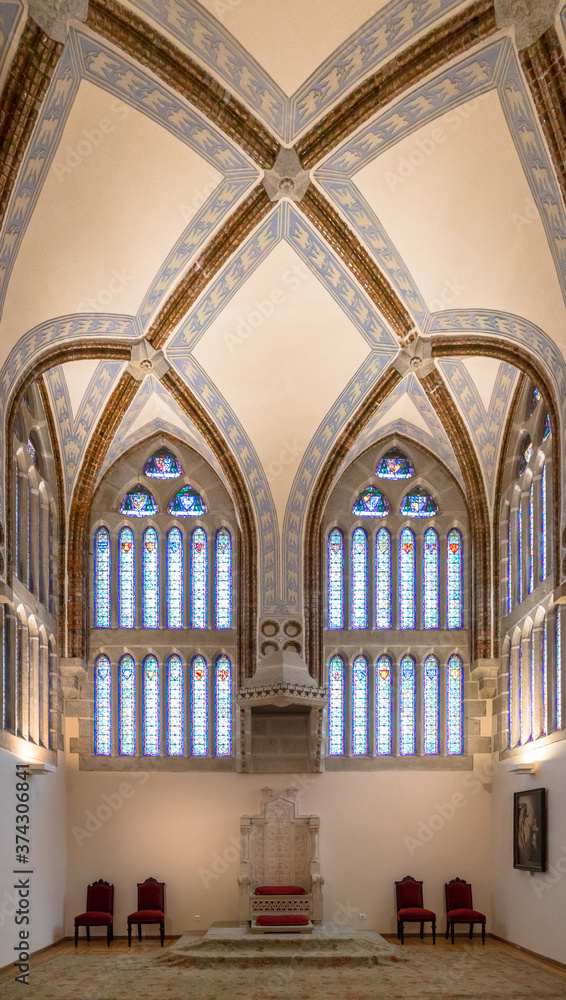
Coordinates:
98 946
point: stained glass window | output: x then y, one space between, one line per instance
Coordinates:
102 565
418 503
126 578
547 427
455 580
544 680
520 552
32 452
223 707
520 691
455 706
383 617
509 565
558 670
199 707
531 733
335 579
431 604
510 700
102 706
138 502
526 454
163 464
431 683
187 503
175 707
407 709
151 714
199 579
127 706
394 465
534 400
175 579
371 503
407 610
336 707
359 580
383 707
223 579
543 524
150 578
360 704
531 536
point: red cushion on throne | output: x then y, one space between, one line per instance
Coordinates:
279 890
282 920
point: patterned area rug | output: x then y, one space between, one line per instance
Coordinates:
464 974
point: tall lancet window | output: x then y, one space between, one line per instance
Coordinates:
543 524
150 578
335 579
223 579
431 685
383 606
336 683
102 567
223 707
102 706
431 610
407 706
175 706
360 705
126 578
383 706
175 578
407 607
199 707
455 580
127 706
151 713
359 579
199 579
454 706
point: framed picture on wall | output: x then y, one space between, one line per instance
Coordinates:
529 830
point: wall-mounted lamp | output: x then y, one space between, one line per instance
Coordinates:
530 767
37 767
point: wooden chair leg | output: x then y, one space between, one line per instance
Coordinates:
447 930
452 932
139 932
398 933
129 935
162 929
434 931
471 931
108 934
76 935
88 933
483 933
422 929
402 932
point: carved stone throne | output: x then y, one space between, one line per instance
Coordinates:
279 848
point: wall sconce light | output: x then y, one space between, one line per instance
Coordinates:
530 767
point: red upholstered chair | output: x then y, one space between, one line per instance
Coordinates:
151 908
459 908
99 910
410 907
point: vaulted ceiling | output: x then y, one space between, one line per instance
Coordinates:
421 228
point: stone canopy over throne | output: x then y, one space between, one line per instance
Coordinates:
279 851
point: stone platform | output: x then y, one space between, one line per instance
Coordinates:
228 944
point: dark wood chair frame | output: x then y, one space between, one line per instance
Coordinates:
450 924
160 922
400 923
109 927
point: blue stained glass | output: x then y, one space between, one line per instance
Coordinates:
418 503
394 465
547 427
526 454
544 680
509 565
126 578
199 579
150 578
17 512
32 452
431 681
534 400
407 612
455 580
455 706
532 688
407 706
336 707
223 707
371 503
558 670
383 706
175 707
163 464
359 580
431 604
175 579
151 713
383 617
199 707
520 692
531 536
102 564
543 524
127 706
520 552
360 705
187 503
510 702
102 706
335 579
138 502
223 579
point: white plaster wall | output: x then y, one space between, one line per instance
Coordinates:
529 909
183 829
48 854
